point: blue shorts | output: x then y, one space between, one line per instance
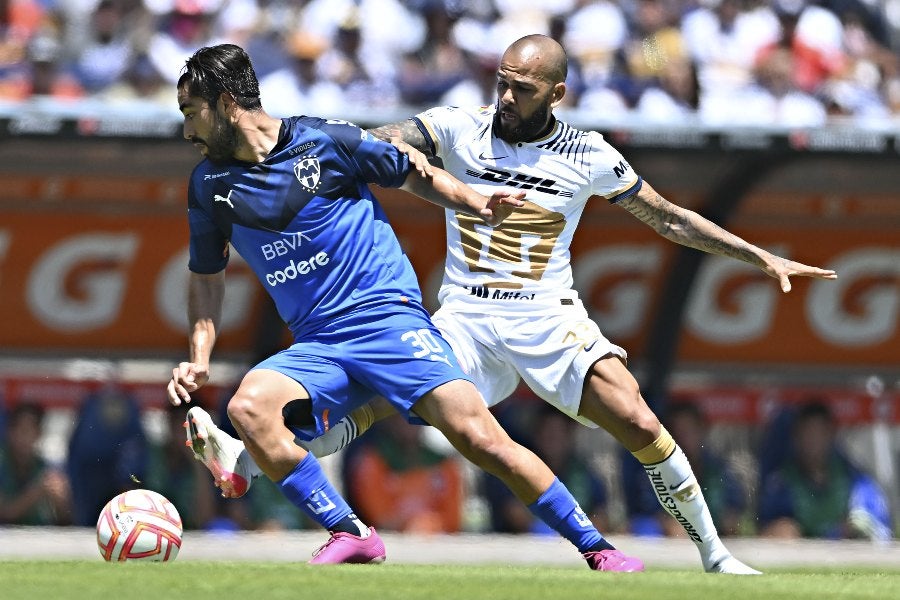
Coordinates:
393 351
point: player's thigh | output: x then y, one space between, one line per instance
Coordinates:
612 399
313 371
268 390
554 352
457 410
479 354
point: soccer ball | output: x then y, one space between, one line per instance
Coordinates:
139 525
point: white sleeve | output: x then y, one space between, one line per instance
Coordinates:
612 176
444 124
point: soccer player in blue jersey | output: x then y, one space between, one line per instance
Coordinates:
291 196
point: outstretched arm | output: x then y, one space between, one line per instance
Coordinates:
445 190
688 228
437 185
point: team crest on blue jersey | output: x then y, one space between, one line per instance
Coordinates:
308 171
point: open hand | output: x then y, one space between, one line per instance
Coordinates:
500 205
783 269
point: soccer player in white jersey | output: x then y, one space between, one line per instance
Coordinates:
507 304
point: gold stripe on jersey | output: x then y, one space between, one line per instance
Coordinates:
507 241
434 138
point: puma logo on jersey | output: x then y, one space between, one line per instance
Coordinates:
225 199
518 180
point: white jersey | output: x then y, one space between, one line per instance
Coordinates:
524 263
508 308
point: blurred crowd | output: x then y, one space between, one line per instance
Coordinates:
406 478
716 62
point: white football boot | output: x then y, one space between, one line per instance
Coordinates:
733 566
224 456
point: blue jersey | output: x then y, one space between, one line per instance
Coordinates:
306 222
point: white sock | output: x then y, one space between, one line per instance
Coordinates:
344 431
679 494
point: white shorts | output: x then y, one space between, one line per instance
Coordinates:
552 351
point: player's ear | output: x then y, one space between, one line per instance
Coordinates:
557 94
225 103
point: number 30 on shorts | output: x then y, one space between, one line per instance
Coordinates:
425 344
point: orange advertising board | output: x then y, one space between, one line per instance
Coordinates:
106 281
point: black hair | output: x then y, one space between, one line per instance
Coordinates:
212 70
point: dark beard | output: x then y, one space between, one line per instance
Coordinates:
529 129
222 142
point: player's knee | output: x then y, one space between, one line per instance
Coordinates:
245 407
646 423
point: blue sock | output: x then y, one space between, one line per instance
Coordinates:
308 488
558 509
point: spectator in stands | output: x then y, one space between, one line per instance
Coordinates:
593 36
364 82
140 84
433 68
817 492
398 482
43 74
813 37
772 100
552 436
186 26
723 38
673 98
725 496
19 22
107 451
108 52
857 92
32 492
479 84
379 31
300 85
654 41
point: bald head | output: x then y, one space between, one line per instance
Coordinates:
544 57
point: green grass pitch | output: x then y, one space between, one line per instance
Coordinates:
196 580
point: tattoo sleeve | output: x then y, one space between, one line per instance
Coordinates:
408 132
688 228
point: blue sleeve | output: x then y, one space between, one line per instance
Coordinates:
208 245
377 162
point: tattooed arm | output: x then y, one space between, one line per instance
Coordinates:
407 137
688 228
407 131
